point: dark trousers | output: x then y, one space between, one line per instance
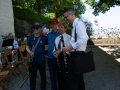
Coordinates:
33 67
52 64
74 81
62 73
62 78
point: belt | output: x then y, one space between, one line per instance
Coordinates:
77 52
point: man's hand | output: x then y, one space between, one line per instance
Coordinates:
55 54
31 53
67 48
44 33
58 52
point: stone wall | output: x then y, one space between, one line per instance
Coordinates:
6 19
106 42
22 27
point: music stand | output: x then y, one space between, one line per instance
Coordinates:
8 42
28 72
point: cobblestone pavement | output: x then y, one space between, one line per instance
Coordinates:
105 77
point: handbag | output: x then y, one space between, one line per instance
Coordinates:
30 58
83 63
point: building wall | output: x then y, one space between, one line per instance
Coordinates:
6 19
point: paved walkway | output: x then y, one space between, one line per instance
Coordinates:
105 77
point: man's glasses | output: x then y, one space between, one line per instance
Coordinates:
65 17
36 28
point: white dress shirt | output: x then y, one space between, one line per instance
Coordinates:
66 38
82 37
46 30
15 43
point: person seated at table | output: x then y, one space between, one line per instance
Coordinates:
15 46
15 43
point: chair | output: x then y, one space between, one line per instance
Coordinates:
23 43
3 62
1 88
23 55
12 66
3 74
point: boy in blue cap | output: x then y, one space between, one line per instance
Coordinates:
38 62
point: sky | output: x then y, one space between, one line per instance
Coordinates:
110 19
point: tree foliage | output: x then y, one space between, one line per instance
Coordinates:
29 16
102 5
43 10
49 6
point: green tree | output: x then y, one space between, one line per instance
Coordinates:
102 5
89 28
49 6
88 25
59 6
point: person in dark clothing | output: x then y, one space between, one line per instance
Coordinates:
14 47
38 61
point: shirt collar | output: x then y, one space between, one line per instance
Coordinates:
75 21
62 35
55 32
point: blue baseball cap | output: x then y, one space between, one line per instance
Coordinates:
37 24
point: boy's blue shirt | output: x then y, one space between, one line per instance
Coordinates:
39 52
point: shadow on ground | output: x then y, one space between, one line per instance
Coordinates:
105 77
107 73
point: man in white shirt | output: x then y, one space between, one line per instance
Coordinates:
45 30
61 41
75 82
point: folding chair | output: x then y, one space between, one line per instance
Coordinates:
12 66
23 55
23 43
3 74
1 88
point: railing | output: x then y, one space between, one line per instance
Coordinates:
105 42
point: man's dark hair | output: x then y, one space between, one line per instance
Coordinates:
69 10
